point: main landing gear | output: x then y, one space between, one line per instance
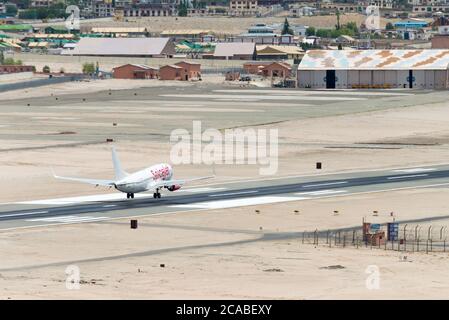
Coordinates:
157 194
130 196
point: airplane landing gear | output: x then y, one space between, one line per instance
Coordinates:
157 194
130 196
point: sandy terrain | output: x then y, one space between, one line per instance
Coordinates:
224 254
219 25
218 253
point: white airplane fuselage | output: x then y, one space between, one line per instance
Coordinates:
142 180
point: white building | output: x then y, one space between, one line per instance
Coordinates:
344 69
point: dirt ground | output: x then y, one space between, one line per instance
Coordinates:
232 253
223 254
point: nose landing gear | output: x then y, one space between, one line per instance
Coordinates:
130 196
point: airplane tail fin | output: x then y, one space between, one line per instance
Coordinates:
119 173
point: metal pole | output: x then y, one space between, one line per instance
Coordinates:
405 237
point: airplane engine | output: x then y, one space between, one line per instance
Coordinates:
174 187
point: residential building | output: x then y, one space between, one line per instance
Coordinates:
243 7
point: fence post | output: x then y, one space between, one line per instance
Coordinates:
444 245
327 237
303 235
344 240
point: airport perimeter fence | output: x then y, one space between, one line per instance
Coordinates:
410 238
223 70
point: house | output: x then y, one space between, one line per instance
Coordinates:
345 40
125 47
172 72
192 70
276 52
235 51
277 69
135 71
342 69
268 68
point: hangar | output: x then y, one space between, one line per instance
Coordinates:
345 69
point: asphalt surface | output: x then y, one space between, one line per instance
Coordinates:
221 196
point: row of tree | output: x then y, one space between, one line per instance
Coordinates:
349 29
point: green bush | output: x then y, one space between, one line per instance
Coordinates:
88 68
46 69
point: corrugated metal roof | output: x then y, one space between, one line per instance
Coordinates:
271 49
375 59
121 46
185 32
118 29
229 49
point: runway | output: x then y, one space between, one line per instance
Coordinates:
217 196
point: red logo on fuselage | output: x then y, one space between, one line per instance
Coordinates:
160 173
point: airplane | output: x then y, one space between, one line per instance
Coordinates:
154 178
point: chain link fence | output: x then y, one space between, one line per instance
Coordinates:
410 238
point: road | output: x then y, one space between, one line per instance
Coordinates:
217 196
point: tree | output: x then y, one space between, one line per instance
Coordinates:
310 31
11 10
389 26
286 28
2 57
11 62
88 68
46 69
182 8
338 20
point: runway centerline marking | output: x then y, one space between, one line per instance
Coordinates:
414 170
320 193
409 176
324 184
22 214
233 193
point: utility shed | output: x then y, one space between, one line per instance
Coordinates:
343 69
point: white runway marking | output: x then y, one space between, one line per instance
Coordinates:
324 184
233 193
414 170
300 93
320 193
22 214
221 204
107 197
68 219
410 176
260 97
109 206
74 200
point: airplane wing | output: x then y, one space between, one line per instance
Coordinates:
168 183
96 182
